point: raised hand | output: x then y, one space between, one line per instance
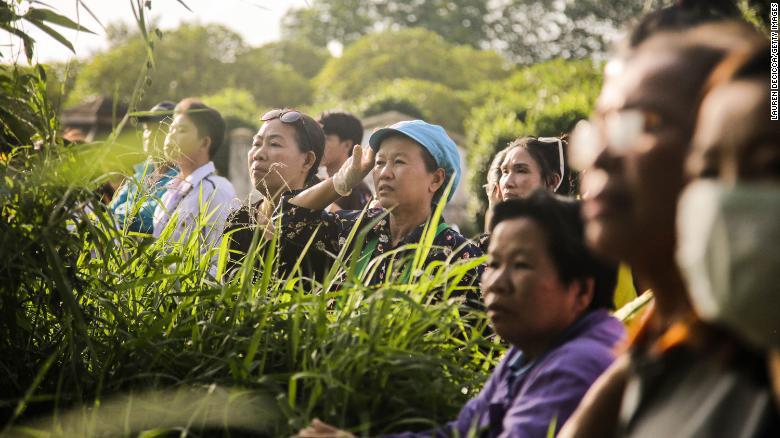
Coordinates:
354 170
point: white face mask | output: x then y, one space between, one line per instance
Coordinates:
729 253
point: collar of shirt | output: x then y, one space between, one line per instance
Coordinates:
193 179
519 365
382 231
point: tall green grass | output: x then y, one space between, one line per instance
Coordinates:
91 312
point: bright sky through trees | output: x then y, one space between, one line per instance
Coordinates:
256 20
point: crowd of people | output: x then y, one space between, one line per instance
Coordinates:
678 179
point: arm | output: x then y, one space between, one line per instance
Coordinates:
317 197
597 415
320 196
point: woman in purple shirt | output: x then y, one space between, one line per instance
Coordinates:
548 296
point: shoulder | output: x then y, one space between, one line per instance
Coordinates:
592 350
219 184
242 216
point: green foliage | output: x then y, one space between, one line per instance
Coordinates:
435 102
545 99
345 21
236 106
188 61
91 312
273 85
197 60
11 21
399 54
525 31
334 20
25 110
306 59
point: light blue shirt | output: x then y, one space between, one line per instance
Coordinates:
134 203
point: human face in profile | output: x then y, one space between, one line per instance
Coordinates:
526 301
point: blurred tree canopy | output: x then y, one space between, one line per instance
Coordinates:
410 54
344 21
524 30
434 102
305 58
194 60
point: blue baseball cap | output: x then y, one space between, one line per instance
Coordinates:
434 139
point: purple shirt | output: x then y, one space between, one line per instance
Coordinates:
521 399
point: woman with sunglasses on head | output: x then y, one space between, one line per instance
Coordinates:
285 155
412 163
527 164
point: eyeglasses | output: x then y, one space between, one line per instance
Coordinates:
619 133
290 117
560 156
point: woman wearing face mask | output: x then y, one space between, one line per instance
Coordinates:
285 155
729 216
412 163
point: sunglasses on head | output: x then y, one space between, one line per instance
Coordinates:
560 155
290 117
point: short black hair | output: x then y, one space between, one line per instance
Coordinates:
342 124
563 227
207 120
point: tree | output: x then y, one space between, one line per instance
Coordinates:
305 58
271 84
237 107
436 103
344 21
196 60
408 53
457 21
188 61
525 31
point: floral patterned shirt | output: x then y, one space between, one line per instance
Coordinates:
299 223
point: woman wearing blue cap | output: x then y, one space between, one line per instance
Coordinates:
412 163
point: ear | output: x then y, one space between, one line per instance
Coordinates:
437 181
308 161
583 290
206 142
554 180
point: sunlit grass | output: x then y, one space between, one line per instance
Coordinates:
92 313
